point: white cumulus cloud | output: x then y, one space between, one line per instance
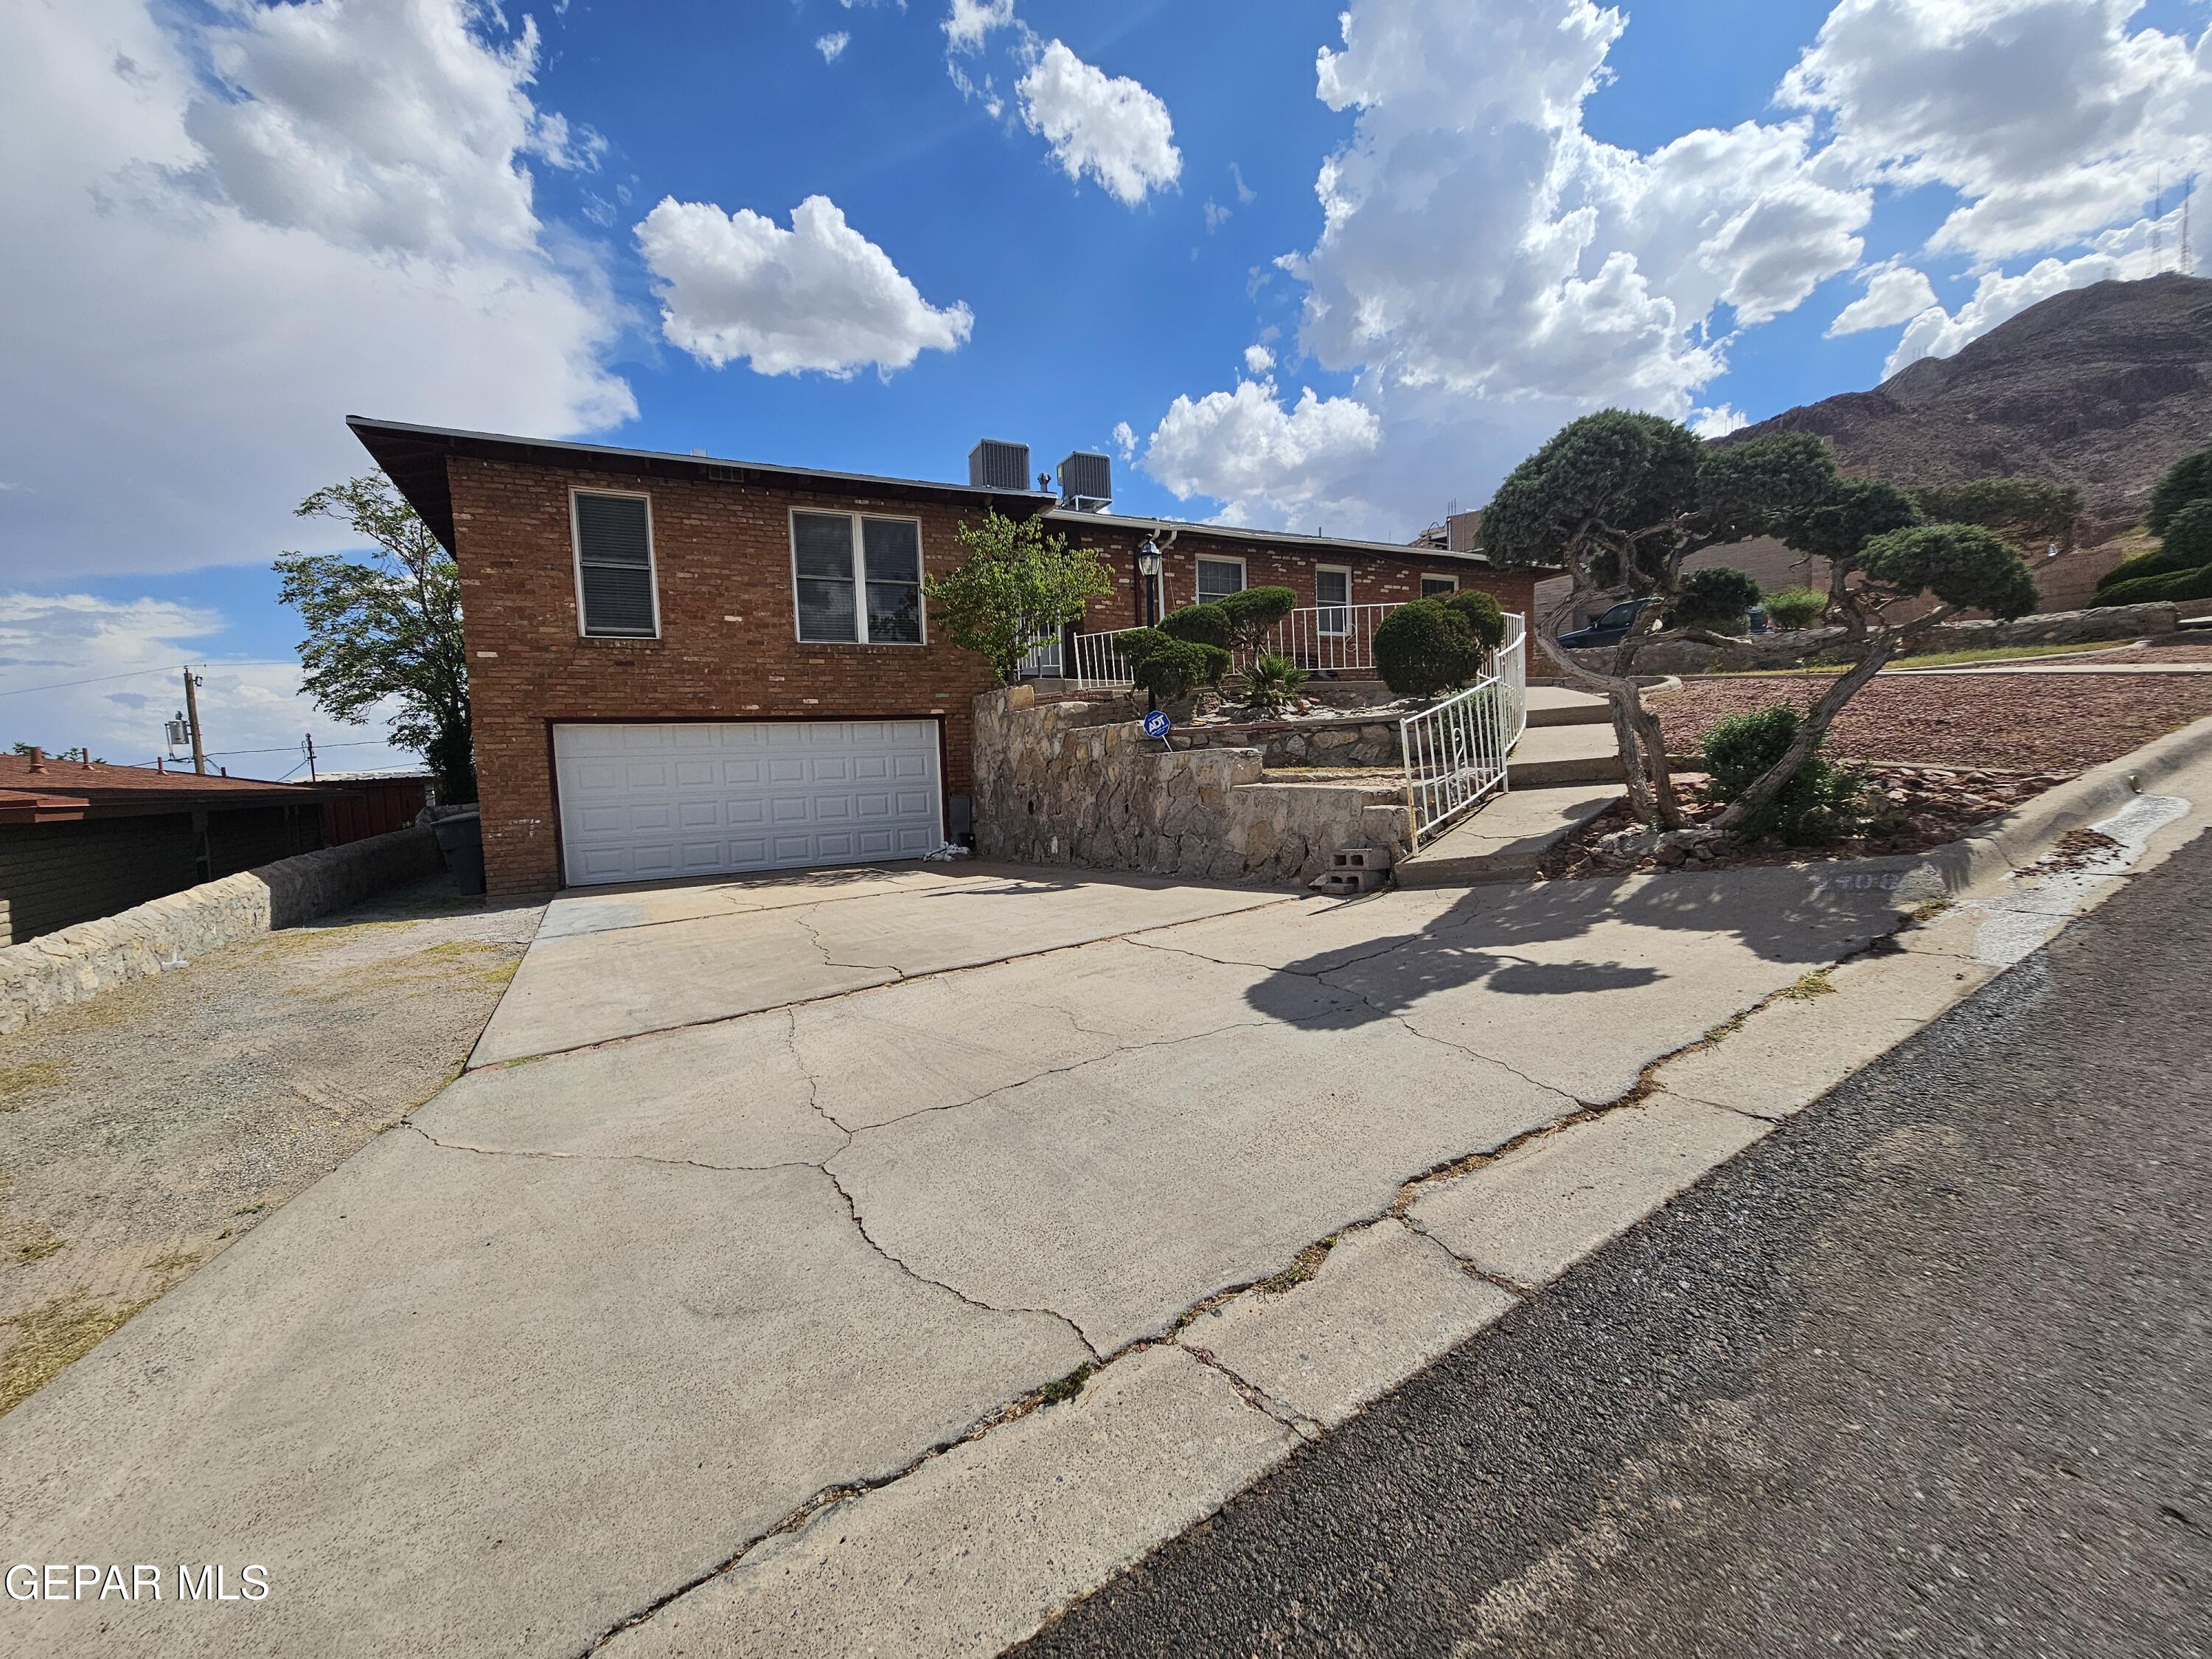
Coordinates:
970 23
2052 119
1245 448
1108 127
831 47
207 278
1125 439
1717 421
818 296
1894 293
1258 360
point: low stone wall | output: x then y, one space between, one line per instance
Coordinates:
1304 743
41 975
2118 621
1079 783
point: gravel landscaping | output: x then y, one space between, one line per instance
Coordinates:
2032 722
144 1131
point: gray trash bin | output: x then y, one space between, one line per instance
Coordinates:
461 842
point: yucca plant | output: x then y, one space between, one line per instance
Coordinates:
1272 683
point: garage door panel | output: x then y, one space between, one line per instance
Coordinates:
642 801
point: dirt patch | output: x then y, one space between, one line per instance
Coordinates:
2019 721
1911 809
145 1131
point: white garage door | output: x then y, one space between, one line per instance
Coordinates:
641 802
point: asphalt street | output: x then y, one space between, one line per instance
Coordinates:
1927 1372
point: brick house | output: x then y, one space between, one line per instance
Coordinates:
682 666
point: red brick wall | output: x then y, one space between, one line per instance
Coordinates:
1377 578
728 648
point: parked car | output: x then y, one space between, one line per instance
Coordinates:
1609 627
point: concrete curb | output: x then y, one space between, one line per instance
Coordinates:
79 962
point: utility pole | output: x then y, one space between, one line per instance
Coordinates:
310 757
192 714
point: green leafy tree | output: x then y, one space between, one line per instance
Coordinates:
2027 509
1019 586
2189 479
385 628
1620 500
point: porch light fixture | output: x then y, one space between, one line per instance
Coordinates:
1149 566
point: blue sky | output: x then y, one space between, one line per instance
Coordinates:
257 220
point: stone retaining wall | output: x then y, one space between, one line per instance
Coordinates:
1304 743
41 975
1079 783
2118 621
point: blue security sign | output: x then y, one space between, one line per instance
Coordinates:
1156 724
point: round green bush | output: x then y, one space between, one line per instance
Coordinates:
1794 608
1484 615
2174 587
1199 624
1173 670
1425 648
2189 479
1817 804
1135 644
1717 598
2129 570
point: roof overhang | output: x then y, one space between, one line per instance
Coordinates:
414 458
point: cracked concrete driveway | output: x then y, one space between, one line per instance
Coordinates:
764 1188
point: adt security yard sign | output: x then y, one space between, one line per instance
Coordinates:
1156 724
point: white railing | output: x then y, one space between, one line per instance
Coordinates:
1331 639
1455 752
1042 662
1324 638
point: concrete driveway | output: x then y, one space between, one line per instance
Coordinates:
758 1190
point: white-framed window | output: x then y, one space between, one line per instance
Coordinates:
1218 578
856 578
1435 587
1332 593
617 595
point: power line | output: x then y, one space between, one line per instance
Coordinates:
137 673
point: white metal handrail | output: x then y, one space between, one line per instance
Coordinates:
1455 752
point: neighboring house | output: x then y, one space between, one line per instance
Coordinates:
687 666
81 839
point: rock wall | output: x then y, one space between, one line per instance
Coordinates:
2119 622
44 974
1304 743
1079 783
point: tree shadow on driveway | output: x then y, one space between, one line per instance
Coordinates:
1508 941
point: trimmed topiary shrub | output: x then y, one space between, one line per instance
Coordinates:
1484 615
2189 479
1253 611
2174 587
1819 805
1425 648
1199 625
1173 670
2135 569
1717 598
1963 564
1794 608
2188 540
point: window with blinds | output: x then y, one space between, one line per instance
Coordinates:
856 581
614 566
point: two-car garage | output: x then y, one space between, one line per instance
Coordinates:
646 802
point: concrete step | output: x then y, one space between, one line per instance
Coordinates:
1557 705
1550 754
1506 838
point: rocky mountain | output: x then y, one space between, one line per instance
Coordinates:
2103 387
